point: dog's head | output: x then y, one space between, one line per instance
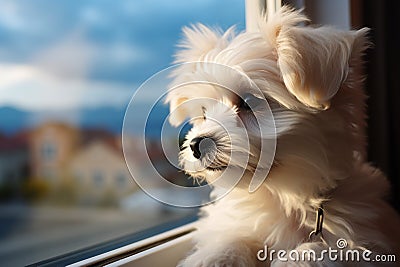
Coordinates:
288 81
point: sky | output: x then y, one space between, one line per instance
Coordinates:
89 53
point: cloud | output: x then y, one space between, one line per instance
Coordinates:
57 77
69 57
31 88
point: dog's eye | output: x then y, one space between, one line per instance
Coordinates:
249 102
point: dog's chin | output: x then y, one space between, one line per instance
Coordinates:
206 171
201 173
198 168
212 173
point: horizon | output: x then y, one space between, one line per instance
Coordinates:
109 118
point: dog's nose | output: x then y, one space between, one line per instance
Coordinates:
201 146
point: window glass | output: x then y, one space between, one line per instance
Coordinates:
68 70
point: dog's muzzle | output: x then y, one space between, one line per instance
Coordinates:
203 147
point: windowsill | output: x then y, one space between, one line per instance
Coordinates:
165 249
167 242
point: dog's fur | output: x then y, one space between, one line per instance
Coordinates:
311 78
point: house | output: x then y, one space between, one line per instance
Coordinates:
99 167
89 158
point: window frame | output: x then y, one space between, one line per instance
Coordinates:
174 243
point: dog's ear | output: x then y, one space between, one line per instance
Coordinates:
198 40
314 62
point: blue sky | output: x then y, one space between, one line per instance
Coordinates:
85 53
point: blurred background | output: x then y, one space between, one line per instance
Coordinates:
67 72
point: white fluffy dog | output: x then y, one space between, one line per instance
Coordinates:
311 79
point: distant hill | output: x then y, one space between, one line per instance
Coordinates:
13 120
105 117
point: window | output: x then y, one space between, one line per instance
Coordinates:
121 180
167 248
70 68
98 179
48 151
